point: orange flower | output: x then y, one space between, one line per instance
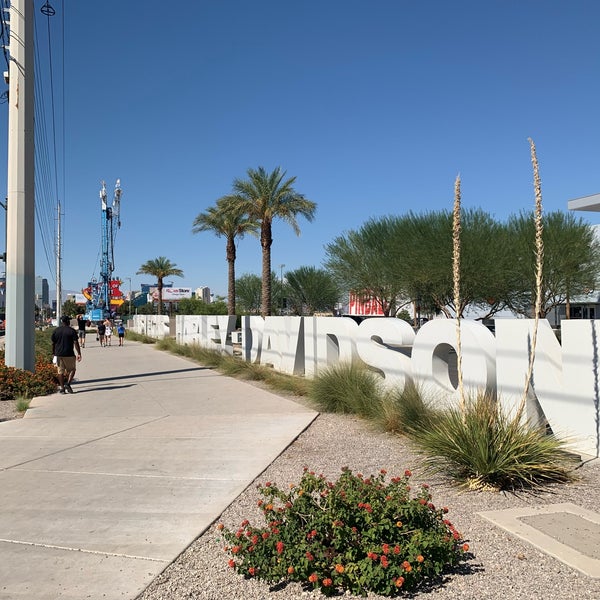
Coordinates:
420 558
399 582
398 523
231 563
465 547
327 582
220 526
313 578
290 570
339 568
406 566
252 571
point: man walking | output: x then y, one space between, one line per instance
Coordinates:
64 342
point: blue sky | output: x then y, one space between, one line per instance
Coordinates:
374 106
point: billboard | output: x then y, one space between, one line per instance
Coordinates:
172 294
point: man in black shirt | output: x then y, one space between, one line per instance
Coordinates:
64 340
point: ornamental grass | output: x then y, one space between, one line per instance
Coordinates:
481 447
357 534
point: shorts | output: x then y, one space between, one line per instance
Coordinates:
65 364
82 335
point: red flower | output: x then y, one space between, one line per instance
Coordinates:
399 582
313 578
231 563
265 535
465 547
236 549
327 582
407 473
252 571
280 546
268 484
372 555
396 549
310 556
385 548
407 566
384 561
245 522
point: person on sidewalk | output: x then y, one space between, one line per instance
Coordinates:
108 331
81 325
101 332
64 344
121 333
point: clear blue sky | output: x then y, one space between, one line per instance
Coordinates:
374 106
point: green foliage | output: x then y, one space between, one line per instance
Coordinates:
23 403
70 309
405 316
195 306
356 534
15 383
21 384
311 290
139 337
485 448
248 293
348 388
160 268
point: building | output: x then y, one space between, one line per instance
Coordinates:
203 293
42 292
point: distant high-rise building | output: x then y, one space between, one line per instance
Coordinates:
42 292
203 293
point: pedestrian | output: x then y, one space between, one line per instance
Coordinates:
108 331
65 343
101 332
81 325
121 333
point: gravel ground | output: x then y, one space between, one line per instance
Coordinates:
8 410
501 566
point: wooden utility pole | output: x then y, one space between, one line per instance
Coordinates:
20 235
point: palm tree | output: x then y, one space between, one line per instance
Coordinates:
160 268
265 197
224 219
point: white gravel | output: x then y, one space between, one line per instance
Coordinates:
502 567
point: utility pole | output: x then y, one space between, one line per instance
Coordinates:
58 269
20 240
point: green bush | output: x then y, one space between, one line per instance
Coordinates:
483 447
357 534
16 383
348 388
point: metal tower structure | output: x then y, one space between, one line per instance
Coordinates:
100 292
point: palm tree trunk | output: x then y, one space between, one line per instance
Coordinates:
265 241
231 276
160 288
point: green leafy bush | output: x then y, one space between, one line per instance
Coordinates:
21 383
357 534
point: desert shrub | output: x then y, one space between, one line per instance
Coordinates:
484 447
356 534
348 388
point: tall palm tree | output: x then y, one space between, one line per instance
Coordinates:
225 219
160 268
265 197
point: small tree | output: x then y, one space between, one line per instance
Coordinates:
160 268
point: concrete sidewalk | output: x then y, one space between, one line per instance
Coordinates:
100 490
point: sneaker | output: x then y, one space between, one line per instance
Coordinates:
61 390
69 388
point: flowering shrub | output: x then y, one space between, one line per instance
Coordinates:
358 534
21 383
